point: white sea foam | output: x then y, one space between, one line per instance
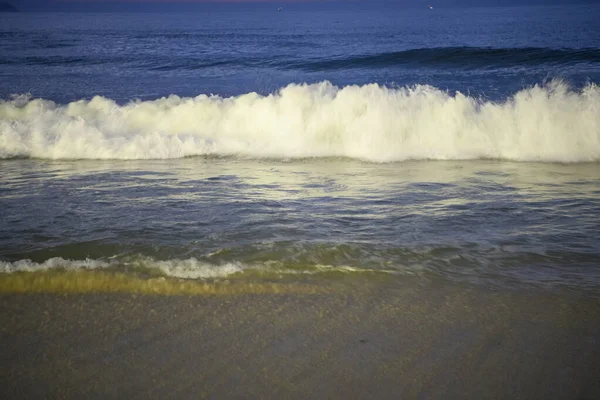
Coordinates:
194 269
371 122
190 268
52 263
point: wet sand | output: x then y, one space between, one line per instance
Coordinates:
409 341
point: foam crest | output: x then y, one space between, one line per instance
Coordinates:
7 267
188 269
544 123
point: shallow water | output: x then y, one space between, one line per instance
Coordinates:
496 222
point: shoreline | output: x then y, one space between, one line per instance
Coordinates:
402 340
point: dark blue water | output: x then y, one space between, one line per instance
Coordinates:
458 144
490 51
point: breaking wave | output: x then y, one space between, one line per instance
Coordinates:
549 123
190 268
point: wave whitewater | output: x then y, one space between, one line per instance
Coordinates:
190 268
550 123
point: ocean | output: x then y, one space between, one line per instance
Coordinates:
457 145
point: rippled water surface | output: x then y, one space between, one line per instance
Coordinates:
496 222
492 51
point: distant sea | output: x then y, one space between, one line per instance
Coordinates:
454 145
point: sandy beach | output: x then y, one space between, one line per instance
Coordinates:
409 340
